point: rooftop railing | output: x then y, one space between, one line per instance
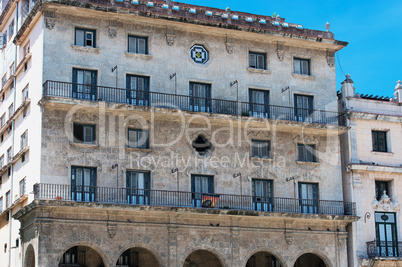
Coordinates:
181 199
189 103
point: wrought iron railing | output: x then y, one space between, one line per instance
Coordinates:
378 248
189 103
190 199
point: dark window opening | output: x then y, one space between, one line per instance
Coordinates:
257 60
84 133
301 66
379 141
381 187
260 149
306 153
201 145
137 44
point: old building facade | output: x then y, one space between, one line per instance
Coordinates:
164 134
372 175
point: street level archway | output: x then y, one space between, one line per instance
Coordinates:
263 258
137 257
81 256
29 257
202 258
309 260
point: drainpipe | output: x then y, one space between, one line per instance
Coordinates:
12 149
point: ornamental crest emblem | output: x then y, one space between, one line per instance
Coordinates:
199 54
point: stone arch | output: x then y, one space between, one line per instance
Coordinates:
152 251
29 260
267 250
315 253
203 249
83 244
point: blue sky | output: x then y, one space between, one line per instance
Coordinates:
372 28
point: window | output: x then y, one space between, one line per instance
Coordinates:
137 90
301 66
262 194
200 97
4 80
379 141
83 183
85 37
84 133
260 149
1 204
259 103
202 187
4 39
12 69
137 44
138 186
9 154
308 197
3 120
84 84
2 161
8 199
138 138
25 93
24 140
306 153
22 187
386 234
303 108
380 187
27 48
257 60
70 257
11 29
10 110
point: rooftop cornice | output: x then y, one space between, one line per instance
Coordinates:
205 16
6 12
373 168
373 116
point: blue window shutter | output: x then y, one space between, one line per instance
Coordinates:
74 88
128 180
93 177
192 183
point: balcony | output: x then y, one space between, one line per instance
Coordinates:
189 103
233 203
384 249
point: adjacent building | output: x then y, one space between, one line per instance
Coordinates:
372 166
167 134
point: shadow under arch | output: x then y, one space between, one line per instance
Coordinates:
29 260
84 244
281 261
140 246
318 254
219 262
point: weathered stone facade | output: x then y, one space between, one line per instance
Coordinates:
163 222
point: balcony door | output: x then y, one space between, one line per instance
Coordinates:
84 84
259 103
303 108
387 239
308 197
200 97
201 184
137 90
138 187
262 194
83 184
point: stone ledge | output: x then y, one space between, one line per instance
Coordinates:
302 76
86 49
389 154
259 71
141 56
127 207
307 163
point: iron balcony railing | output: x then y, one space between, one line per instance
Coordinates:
189 103
378 248
190 199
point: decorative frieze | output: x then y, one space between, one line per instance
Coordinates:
50 20
330 58
280 51
385 204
